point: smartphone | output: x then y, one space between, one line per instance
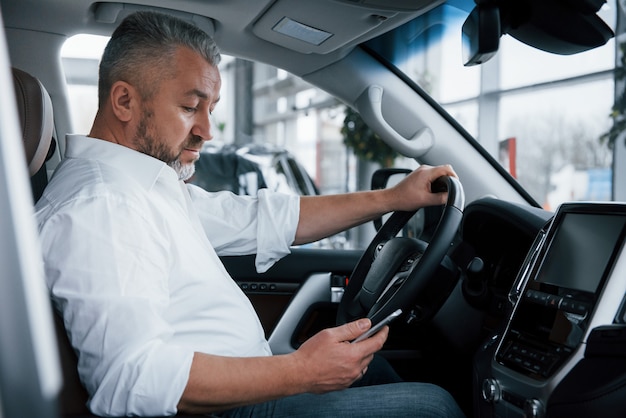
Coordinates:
375 328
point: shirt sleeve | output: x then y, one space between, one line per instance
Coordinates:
111 285
264 225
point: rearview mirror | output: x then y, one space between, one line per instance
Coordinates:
481 34
555 26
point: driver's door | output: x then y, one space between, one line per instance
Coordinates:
299 295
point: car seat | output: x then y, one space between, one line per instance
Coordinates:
37 122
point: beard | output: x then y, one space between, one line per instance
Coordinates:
184 171
158 147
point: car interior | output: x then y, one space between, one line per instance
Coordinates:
516 309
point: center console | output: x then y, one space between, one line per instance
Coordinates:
571 282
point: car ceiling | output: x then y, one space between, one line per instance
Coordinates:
240 27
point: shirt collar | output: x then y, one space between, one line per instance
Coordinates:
142 167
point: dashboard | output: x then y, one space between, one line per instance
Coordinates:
498 234
558 279
546 325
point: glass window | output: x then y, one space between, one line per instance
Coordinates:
551 109
558 147
81 56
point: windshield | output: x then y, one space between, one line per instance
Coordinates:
541 115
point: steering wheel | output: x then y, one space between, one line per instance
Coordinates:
394 270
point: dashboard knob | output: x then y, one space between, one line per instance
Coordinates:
491 390
533 408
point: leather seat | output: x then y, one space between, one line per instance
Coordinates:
35 110
37 122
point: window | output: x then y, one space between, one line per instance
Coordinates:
540 114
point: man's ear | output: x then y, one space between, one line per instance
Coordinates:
124 98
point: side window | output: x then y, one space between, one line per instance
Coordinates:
80 56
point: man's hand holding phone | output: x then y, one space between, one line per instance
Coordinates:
376 327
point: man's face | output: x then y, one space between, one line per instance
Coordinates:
175 122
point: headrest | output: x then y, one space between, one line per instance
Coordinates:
35 110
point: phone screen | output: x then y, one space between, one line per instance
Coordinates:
375 328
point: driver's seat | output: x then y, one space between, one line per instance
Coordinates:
36 119
37 123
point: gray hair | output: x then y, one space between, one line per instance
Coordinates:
148 41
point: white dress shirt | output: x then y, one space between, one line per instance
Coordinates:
130 262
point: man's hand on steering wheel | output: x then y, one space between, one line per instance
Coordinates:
422 187
394 270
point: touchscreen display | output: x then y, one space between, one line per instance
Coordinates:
553 314
580 250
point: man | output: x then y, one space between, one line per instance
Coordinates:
130 258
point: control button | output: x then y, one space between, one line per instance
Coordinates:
407 264
513 399
567 305
491 390
533 408
579 308
553 301
491 341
